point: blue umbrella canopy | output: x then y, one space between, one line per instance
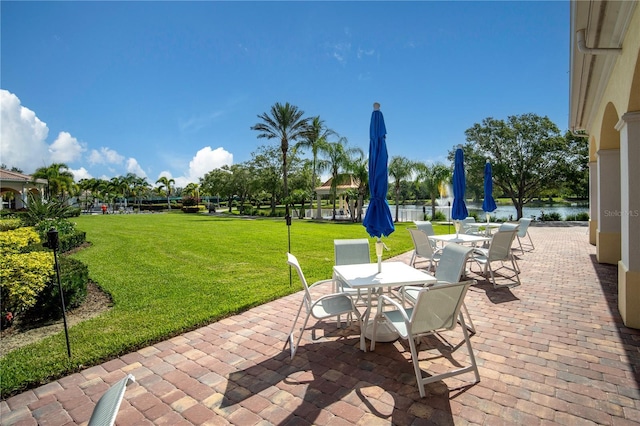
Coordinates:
488 204
378 221
459 208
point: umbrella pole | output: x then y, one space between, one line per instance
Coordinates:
379 247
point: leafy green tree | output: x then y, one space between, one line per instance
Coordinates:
166 184
218 182
577 172
266 164
527 154
400 169
286 123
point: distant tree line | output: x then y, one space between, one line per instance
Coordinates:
530 158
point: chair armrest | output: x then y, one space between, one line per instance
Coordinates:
331 280
381 301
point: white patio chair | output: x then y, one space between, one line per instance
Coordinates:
328 306
436 309
464 229
451 269
106 410
422 248
523 232
426 227
351 252
499 251
508 226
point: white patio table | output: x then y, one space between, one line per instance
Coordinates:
459 238
488 226
366 276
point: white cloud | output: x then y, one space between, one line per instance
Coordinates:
206 160
81 173
22 135
105 156
365 52
202 163
66 149
134 167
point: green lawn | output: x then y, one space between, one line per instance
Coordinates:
169 273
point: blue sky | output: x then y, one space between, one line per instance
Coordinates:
172 88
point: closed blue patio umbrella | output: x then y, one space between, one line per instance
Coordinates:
459 208
488 204
378 221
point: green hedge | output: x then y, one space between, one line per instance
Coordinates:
74 276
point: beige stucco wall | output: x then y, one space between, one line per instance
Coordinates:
618 89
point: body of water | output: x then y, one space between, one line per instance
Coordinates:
502 212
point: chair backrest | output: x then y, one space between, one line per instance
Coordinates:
508 226
500 247
452 262
293 261
524 223
425 226
463 227
106 410
438 307
421 243
351 251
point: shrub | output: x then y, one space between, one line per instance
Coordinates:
189 201
582 216
62 225
18 240
71 241
9 224
74 276
22 277
550 217
39 210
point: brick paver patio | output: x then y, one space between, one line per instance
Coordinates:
551 351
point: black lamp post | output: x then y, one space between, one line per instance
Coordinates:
54 244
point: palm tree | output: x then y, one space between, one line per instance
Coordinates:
139 188
315 137
339 157
359 167
400 168
166 183
433 177
285 123
59 179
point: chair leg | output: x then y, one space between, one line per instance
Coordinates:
412 262
416 366
472 357
294 349
470 326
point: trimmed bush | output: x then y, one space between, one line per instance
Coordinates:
583 216
22 277
9 224
18 240
74 276
550 217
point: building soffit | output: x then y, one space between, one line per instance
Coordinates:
605 24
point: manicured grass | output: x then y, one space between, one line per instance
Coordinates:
169 273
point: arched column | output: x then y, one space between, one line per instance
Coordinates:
608 234
593 201
629 264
